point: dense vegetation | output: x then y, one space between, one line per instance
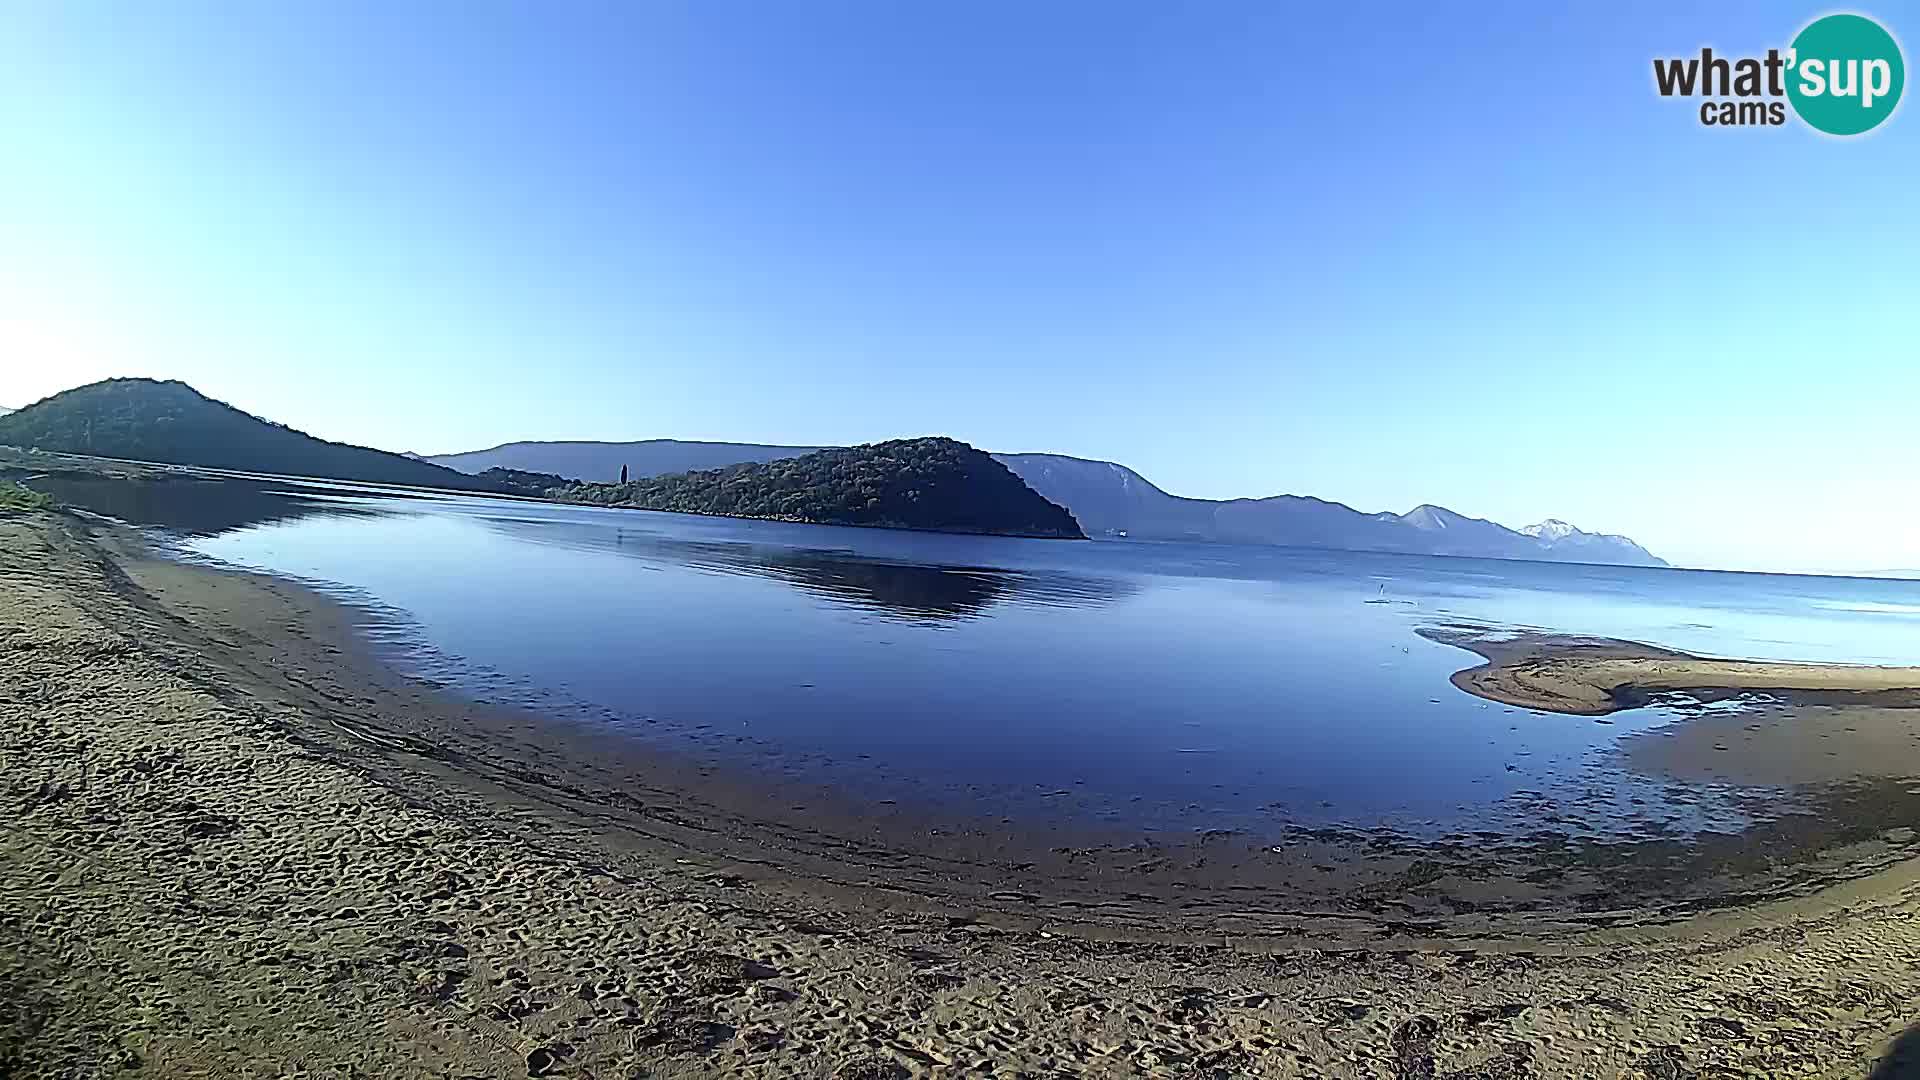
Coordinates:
170 422
15 497
521 482
931 483
928 483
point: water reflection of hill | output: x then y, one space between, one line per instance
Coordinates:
206 505
902 589
181 503
931 591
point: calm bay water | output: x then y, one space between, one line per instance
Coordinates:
1149 686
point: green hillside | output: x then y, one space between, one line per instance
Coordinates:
931 483
170 422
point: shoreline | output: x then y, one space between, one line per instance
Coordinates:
1589 676
205 754
14 458
88 465
1311 880
1292 880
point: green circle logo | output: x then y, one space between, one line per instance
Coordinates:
1845 74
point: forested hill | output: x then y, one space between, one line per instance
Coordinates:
932 483
172 423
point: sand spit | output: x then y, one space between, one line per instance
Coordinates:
1587 676
232 847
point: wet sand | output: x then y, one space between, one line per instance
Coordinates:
1588 676
236 843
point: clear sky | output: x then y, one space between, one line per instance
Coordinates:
1381 254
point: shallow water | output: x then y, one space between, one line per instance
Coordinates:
1146 686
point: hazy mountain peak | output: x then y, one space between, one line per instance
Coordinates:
1112 500
602 462
1552 529
1429 516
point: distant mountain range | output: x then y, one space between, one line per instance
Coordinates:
1111 501
148 420
600 462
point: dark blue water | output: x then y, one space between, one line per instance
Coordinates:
1156 686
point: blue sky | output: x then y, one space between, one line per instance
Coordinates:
1386 255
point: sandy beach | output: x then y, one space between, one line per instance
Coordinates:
238 845
1585 676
